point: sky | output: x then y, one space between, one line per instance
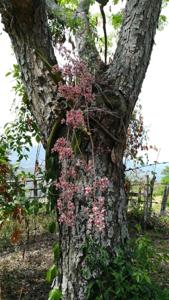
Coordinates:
154 96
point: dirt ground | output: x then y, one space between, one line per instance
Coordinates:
23 272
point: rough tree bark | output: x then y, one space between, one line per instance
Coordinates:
119 86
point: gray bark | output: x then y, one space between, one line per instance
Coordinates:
26 24
72 283
128 68
117 89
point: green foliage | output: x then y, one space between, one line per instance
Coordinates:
17 137
18 87
51 273
116 2
165 177
18 134
15 206
124 273
162 22
55 294
13 202
117 20
56 252
52 227
64 20
11 192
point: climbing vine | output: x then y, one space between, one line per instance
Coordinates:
79 98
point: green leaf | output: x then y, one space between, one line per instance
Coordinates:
89 288
8 73
51 273
117 20
52 227
56 251
55 294
38 138
115 2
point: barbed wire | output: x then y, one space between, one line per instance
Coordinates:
148 165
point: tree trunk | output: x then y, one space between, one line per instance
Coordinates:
72 240
117 88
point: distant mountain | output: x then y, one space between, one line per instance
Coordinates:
139 171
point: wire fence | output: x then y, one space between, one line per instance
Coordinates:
148 195
141 195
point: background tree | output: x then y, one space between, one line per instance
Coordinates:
85 107
165 177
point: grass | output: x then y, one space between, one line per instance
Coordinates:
157 230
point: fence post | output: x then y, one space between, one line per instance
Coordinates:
146 198
164 201
152 182
35 187
139 196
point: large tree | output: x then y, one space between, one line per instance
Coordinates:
95 184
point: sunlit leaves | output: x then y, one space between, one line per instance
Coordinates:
55 294
117 20
116 2
18 134
69 3
51 273
165 177
162 22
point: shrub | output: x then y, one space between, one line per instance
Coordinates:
125 275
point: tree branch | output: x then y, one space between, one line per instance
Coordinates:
128 68
26 24
84 37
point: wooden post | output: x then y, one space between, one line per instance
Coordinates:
35 188
146 197
139 196
164 201
35 194
152 182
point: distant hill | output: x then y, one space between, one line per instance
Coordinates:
141 171
29 164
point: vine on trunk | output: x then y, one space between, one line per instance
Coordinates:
78 96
